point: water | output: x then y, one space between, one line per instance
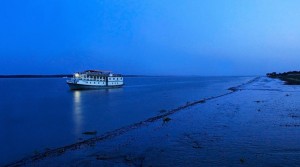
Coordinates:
36 114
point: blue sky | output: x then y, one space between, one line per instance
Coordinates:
154 37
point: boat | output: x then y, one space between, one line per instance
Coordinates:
95 79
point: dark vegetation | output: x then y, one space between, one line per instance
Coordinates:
290 78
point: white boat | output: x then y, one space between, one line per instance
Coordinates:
95 79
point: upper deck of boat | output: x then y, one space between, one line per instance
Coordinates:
99 73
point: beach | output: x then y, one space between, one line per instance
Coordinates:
256 124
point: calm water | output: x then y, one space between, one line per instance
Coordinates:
36 114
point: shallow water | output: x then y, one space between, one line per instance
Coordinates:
36 114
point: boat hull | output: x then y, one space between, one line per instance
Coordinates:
74 86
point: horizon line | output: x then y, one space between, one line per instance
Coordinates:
125 75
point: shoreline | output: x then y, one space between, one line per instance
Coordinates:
118 132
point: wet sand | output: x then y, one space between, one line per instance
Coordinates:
257 124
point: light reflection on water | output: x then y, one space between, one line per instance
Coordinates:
86 102
77 112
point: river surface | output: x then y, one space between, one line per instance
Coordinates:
37 114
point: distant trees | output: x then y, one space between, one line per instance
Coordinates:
290 78
276 75
273 74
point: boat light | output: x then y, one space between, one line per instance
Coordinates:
77 75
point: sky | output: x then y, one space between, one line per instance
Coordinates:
150 37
